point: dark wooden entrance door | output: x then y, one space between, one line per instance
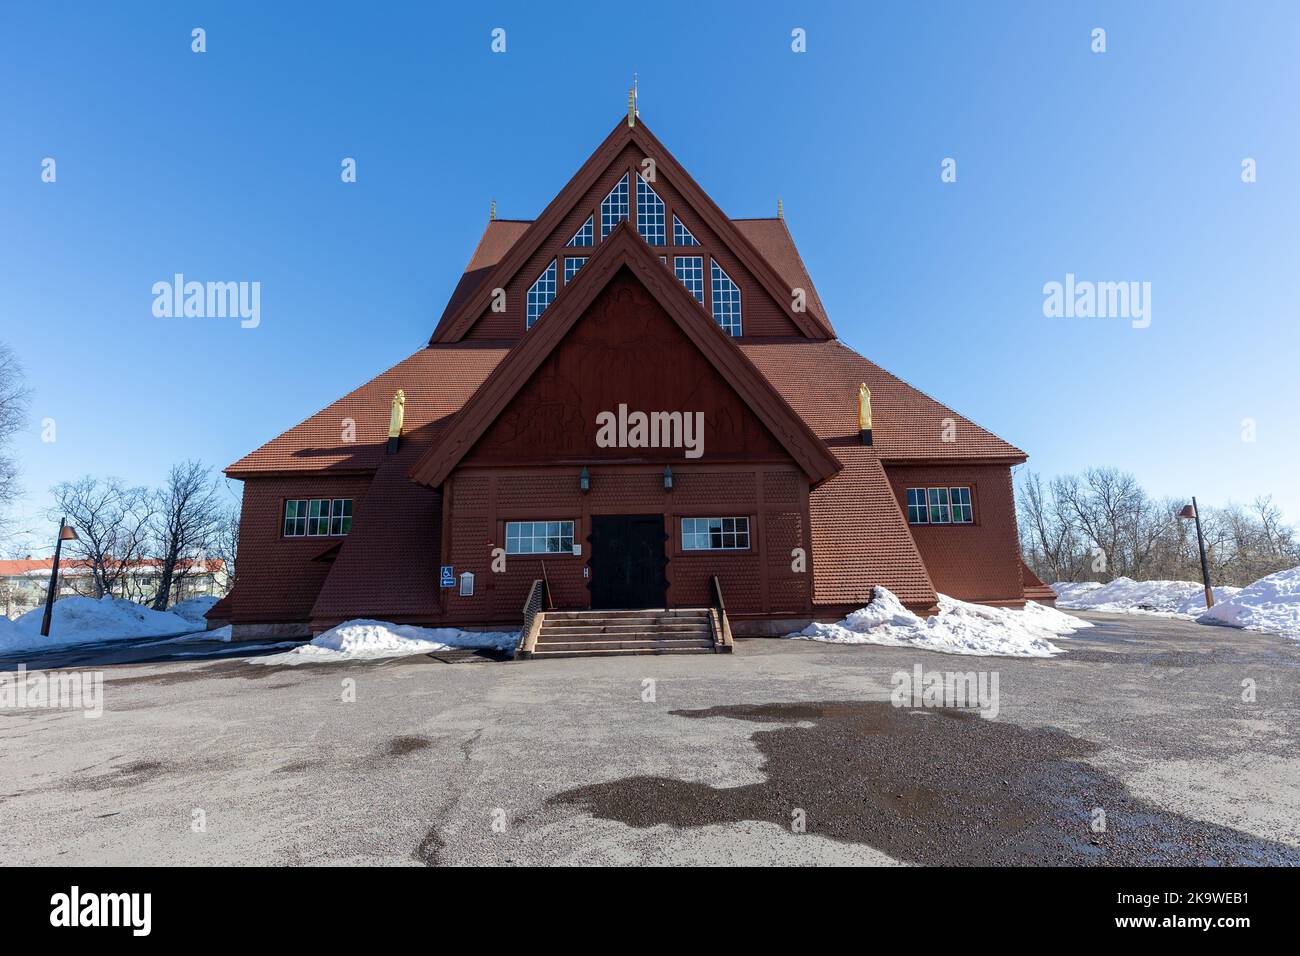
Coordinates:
627 561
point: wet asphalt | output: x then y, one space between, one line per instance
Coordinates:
1151 742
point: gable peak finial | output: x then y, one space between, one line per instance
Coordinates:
631 102
492 211
780 209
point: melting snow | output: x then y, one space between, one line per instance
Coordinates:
1270 604
1183 599
83 620
368 640
958 628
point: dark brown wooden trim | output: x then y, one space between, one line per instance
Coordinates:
566 201
624 248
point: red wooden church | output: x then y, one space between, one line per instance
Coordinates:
631 402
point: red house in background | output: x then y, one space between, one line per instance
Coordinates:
625 398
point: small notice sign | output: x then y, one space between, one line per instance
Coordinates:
447 576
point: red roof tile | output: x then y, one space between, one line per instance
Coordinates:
437 380
820 381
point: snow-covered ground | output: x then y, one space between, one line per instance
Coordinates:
1181 599
194 609
958 628
369 640
1270 604
83 620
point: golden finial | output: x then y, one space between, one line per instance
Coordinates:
397 416
780 210
492 211
631 107
864 413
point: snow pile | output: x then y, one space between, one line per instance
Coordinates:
958 628
194 609
368 640
1270 604
1184 599
83 620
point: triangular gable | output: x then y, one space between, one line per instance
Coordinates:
624 248
453 328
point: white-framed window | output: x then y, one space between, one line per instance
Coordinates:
614 208
939 506
539 537
690 269
726 299
681 235
572 265
317 517
540 294
917 512
650 213
962 513
715 534
585 236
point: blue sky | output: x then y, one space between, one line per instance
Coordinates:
1120 166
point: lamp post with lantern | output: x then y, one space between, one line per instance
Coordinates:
66 533
1189 513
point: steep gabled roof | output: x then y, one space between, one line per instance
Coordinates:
458 321
623 248
437 381
497 239
820 381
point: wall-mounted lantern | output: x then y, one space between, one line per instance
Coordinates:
584 480
668 478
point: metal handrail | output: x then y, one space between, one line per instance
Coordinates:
534 607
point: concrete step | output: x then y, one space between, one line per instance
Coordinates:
656 613
641 644
619 652
596 637
622 627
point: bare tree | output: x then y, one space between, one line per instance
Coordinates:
14 398
227 544
187 515
1102 524
112 522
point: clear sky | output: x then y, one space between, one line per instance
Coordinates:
1117 166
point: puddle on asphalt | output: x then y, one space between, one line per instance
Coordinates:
930 787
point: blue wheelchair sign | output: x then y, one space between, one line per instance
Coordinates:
448 576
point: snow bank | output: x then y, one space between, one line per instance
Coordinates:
368 640
1270 604
1182 599
194 609
82 620
958 628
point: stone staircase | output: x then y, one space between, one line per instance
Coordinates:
614 633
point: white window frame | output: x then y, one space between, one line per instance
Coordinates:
691 267
571 266
540 295
585 236
725 309
615 207
313 514
938 501
693 529
651 214
918 503
561 531
681 235
966 506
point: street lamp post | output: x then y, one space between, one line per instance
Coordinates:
66 533
1189 512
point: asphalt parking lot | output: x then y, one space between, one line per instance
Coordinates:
1181 740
